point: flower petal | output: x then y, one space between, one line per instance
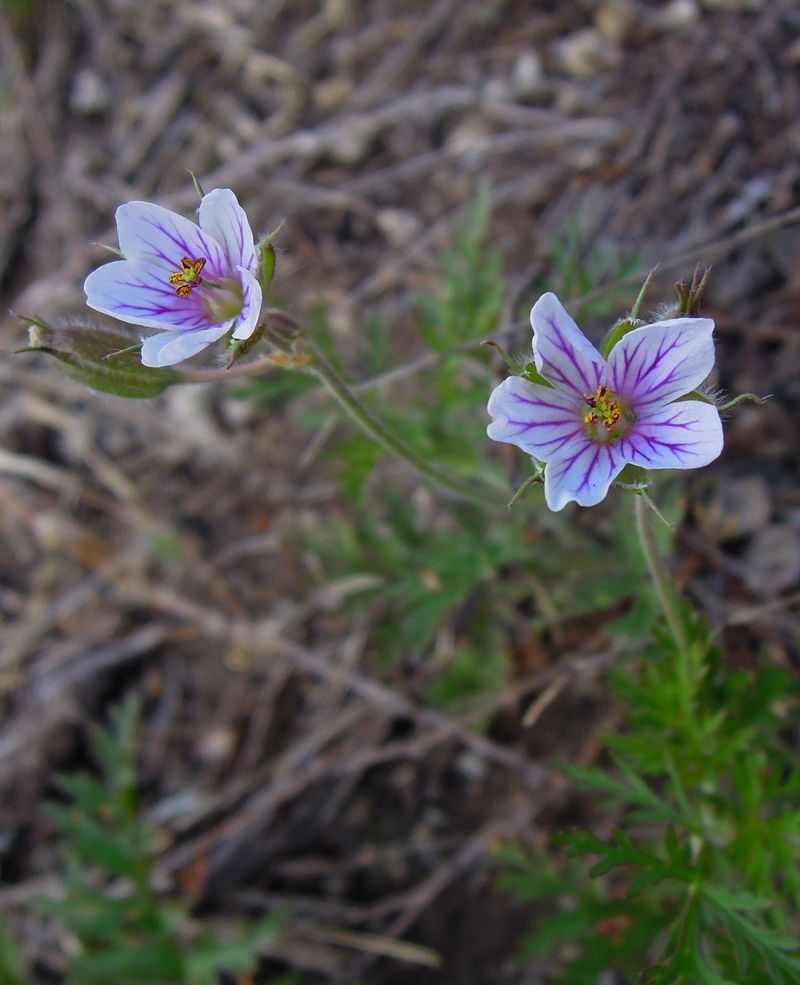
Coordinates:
539 420
583 475
683 435
150 232
139 292
251 305
656 363
169 348
222 217
561 352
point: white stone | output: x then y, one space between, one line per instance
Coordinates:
586 53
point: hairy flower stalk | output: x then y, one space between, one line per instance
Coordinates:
659 574
192 283
589 417
375 429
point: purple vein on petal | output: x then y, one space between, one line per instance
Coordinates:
662 361
687 434
582 476
538 419
555 373
562 353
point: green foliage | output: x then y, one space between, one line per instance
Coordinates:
429 571
586 928
127 933
707 846
11 964
441 423
473 289
423 572
472 670
579 267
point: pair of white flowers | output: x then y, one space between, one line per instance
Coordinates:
587 420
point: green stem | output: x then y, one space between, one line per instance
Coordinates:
659 574
379 433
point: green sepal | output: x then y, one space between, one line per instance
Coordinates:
633 477
266 258
240 347
531 373
697 395
197 186
629 323
113 250
750 398
518 367
100 359
617 331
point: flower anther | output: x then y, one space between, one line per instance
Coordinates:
606 420
187 276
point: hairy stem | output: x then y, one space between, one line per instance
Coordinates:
390 442
659 574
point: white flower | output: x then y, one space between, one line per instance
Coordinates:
598 416
193 283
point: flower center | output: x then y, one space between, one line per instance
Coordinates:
606 419
223 301
187 276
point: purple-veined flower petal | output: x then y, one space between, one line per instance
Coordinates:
683 435
251 305
139 292
539 420
657 363
221 216
582 473
168 348
561 352
150 232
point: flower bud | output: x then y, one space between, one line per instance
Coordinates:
266 258
103 360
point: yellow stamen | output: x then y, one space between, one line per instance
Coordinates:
604 409
188 277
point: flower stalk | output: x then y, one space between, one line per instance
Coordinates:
289 338
659 574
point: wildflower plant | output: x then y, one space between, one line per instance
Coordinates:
714 911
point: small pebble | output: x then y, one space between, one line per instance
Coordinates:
586 53
399 226
614 20
738 507
330 94
679 14
90 94
527 75
772 560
